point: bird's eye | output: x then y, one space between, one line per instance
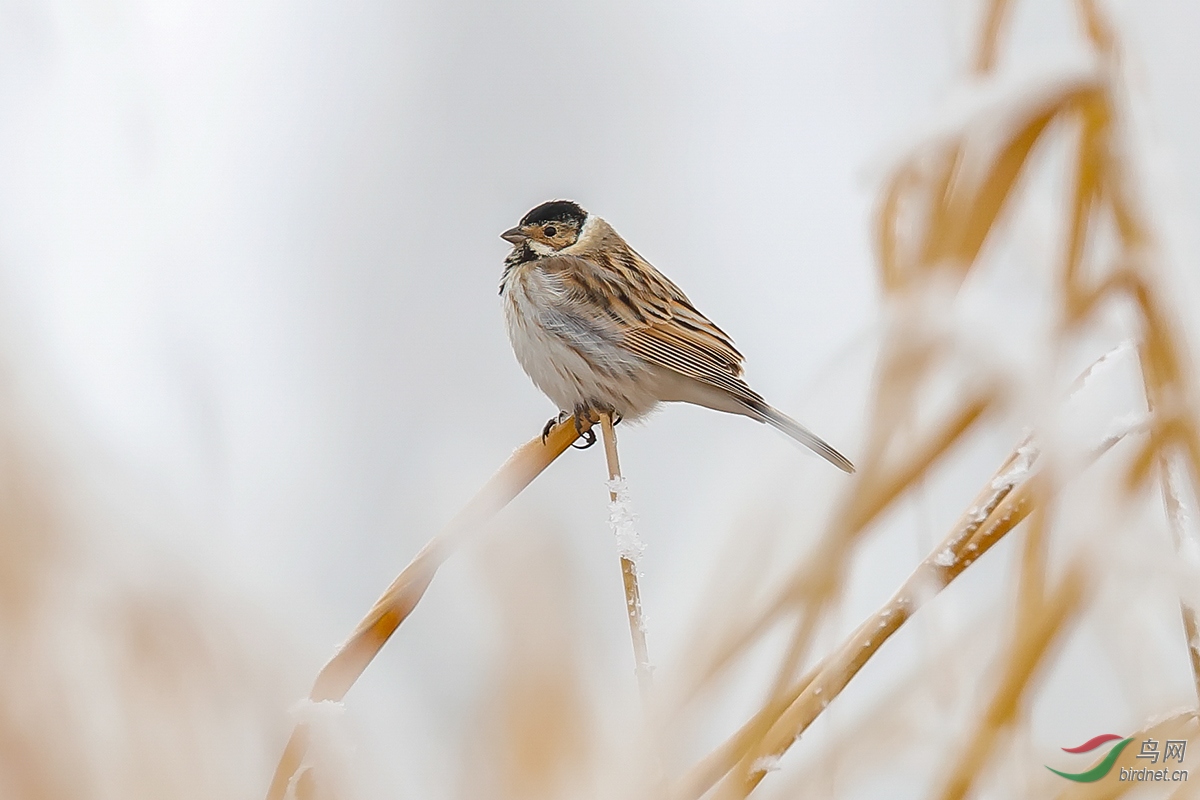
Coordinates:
550 231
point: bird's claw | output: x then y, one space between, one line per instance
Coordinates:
551 423
588 435
589 439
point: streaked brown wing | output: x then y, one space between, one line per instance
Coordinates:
662 345
651 317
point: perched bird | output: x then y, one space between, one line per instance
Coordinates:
598 328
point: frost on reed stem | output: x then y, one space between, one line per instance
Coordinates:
622 521
629 548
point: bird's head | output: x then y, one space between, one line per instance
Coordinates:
547 229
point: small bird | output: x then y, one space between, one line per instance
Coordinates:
598 328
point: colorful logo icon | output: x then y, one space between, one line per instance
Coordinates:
1171 750
1104 767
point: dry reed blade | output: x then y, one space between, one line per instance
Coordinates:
1174 511
999 507
402 596
1031 644
961 209
970 539
959 203
985 55
1170 394
811 586
1004 502
1099 30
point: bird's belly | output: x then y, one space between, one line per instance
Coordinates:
578 370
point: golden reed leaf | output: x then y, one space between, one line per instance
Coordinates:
999 507
1030 646
985 54
940 205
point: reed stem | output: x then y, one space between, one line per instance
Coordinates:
633 597
399 599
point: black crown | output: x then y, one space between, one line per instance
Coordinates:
556 211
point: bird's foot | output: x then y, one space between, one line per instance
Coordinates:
582 415
589 436
551 423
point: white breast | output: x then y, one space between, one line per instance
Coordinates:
572 362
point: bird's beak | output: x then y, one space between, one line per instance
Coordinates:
514 236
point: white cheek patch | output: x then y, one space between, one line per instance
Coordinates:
541 248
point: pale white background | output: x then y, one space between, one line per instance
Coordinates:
248 265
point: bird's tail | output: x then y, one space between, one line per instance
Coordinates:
802 435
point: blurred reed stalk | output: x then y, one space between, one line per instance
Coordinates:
399 600
1003 503
941 206
999 507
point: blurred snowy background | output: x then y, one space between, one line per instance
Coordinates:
250 335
